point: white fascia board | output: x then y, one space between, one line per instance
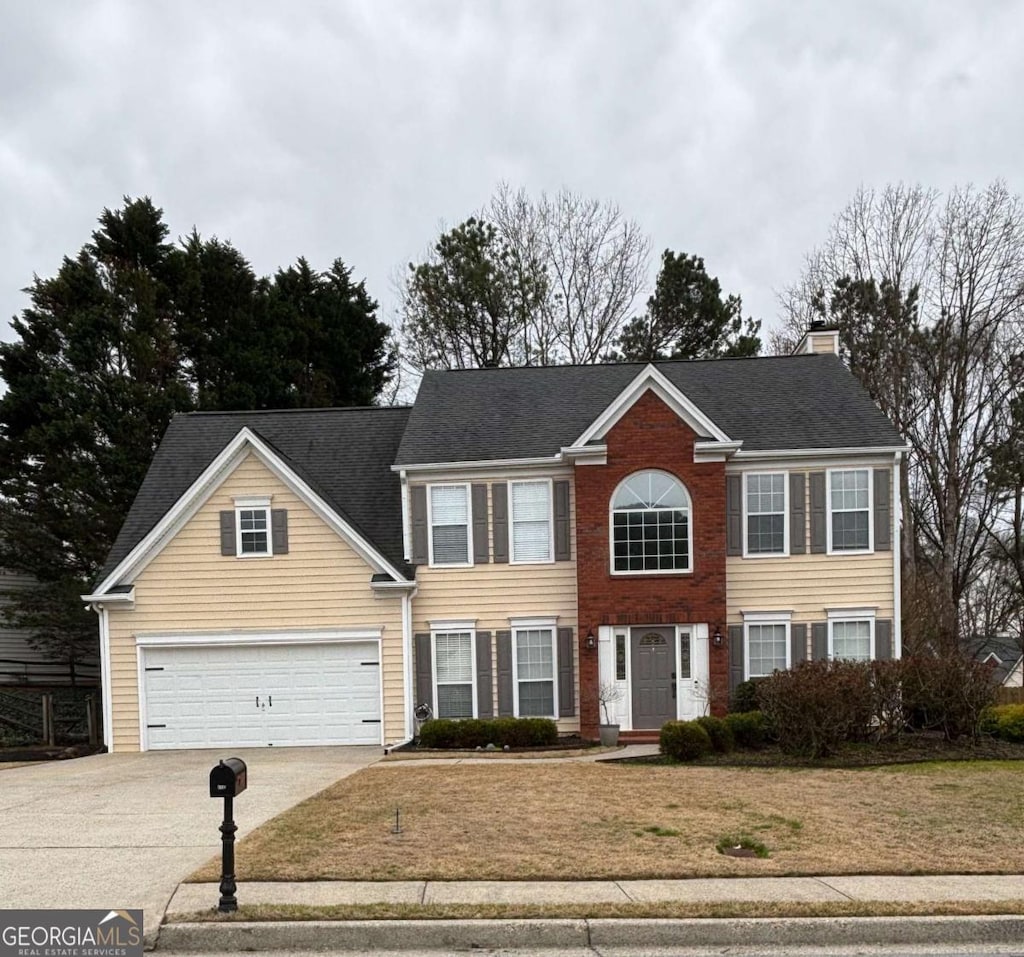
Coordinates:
587 455
677 401
545 461
406 586
113 598
208 482
715 451
879 451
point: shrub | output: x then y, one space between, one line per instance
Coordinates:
749 729
719 732
684 740
479 732
818 706
948 694
744 696
1005 721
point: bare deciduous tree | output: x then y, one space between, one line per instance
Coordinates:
595 261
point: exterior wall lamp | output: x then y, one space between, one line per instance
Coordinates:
591 641
716 638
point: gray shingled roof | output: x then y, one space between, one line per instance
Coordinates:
785 402
345 455
1005 648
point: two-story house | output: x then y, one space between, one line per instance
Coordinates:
511 543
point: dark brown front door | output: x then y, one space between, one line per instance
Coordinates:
653 661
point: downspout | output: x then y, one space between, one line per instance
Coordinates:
105 685
897 552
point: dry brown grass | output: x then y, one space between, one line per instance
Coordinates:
600 821
667 909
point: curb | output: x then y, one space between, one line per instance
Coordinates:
449 935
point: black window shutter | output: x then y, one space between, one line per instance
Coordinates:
566 675
734 515
883 510
883 639
418 522
505 700
798 644
481 551
499 502
484 675
562 521
279 530
736 665
424 672
819 640
797 513
819 515
227 533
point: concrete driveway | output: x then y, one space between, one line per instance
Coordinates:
122 830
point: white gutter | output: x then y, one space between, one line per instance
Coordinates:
754 455
477 465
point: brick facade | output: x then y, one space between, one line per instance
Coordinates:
650 436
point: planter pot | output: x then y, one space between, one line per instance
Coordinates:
609 734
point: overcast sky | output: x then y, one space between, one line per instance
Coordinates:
734 130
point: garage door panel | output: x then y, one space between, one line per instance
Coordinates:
262 695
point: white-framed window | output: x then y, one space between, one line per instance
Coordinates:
651 528
766 644
449 525
530 518
534 670
253 538
454 672
765 507
849 510
851 634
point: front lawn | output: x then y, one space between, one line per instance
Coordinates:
607 821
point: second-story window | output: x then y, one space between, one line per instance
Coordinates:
252 527
651 525
449 524
531 521
849 502
766 513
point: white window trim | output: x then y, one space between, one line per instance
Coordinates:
455 628
611 531
469 524
512 560
258 505
851 614
535 624
871 512
785 517
766 618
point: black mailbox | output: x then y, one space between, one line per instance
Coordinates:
227 779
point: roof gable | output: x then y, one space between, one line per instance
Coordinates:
339 458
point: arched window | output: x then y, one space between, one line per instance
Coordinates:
651 529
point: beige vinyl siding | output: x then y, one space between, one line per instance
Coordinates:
808 584
491 594
823 345
321 583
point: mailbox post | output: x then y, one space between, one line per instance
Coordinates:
227 780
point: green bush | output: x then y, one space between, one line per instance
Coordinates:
1005 721
480 732
750 729
684 740
722 739
818 706
744 696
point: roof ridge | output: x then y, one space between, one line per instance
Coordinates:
623 365
330 408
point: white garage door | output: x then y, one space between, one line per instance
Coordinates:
248 696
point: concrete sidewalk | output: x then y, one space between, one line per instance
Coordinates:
190 898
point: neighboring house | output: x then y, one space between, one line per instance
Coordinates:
511 542
21 662
1003 654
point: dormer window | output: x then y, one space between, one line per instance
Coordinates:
651 528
